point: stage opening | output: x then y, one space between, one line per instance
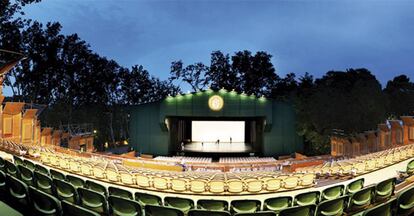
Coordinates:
218 131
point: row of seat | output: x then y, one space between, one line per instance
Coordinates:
246 159
184 159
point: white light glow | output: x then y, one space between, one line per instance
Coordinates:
211 131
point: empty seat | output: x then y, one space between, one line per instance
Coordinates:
30 165
160 183
154 210
355 186
18 190
405 201
114 191
235 186
179 184
277 203
410 167
361 198
179 203
244 206
75 181
147 199
96 187
385 189
18 160
43 182
198 212
2 164
93 200
264 213
65 191
124 207
332 206
26 175
307 210
307 198
383 209
57 175
198 185
332 192
215 205
11 169
41 169
2 183
272 184
70 209
217 186
43 203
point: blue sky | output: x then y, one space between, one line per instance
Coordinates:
303 36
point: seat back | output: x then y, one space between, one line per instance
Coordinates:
2 164
43 203
17 190
2 182
96 187
154 210
361 198
65 191
332 206
180 203
307 198
26 175
355 186
30 165
264 213
122 206
57 175
114 191
17 160
70 209
41 169
410 167
385 189
307 210
93 200
43 182
405 202
278 203
198 212
215 205
244 206
147 199
75 181
332 192
383 209
11 169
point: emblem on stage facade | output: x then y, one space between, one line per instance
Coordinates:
215 103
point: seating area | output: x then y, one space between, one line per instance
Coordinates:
48 191
236 160
184 159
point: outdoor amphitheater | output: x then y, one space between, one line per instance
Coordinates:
206 153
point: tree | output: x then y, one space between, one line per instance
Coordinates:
220 74
400 94
193 74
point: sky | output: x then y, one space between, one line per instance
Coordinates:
302 36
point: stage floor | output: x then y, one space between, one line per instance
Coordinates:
223 147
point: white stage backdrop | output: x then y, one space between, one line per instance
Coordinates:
211 131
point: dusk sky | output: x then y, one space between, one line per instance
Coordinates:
302 36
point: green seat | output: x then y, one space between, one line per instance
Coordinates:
244 206
306 210
277 203
11 169
43 182
355 186
70 209
2 164
385 189
75 181
43 203
332 207
18 190
332 192
57 175
361 198
3 188
124 207
405 201
93 200
41 169
155 210
7 210
30 165
96 187
410 167
65 191
199 212
26 175
383 209
114 191
307 198
179 203
263 213
17 160
215 205
147 199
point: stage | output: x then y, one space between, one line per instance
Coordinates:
222 147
